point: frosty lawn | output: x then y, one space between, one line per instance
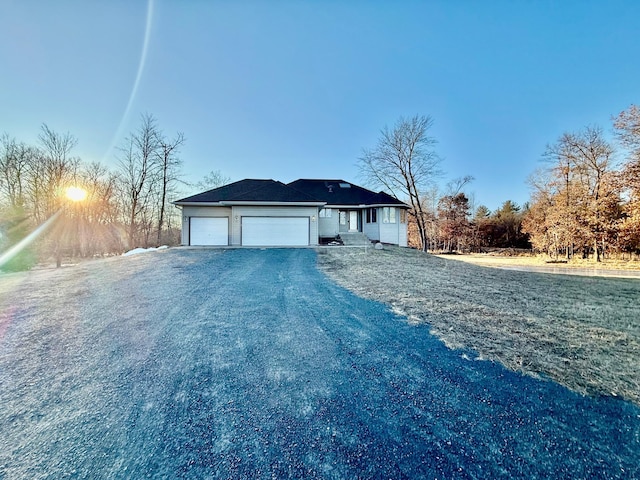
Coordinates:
252 364
583 332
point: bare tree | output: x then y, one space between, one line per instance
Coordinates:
15 222
593 159
169 174
455 186
149 170
564 216
50 170
213 179
53 169
138 165
57 146
430 198
96 218
14 161
404 163
579 202
627 125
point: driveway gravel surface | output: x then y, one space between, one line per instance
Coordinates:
204 363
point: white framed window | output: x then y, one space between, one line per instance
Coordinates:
372 214
325 213
388 215
343 218
403 216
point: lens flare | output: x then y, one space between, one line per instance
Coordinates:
136 83
24 243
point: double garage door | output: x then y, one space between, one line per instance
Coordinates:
255 231
275 231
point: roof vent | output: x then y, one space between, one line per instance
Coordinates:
344 185
330 187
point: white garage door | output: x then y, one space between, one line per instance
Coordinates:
275 231
209 231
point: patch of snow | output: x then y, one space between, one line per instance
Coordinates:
136 251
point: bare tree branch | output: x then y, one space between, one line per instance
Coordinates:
404 164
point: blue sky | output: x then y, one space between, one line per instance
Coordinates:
296 89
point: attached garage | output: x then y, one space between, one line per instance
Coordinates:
209 231
275 231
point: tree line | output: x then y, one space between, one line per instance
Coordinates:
453 225
124 208
404 163
585 200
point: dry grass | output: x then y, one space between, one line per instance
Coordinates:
582 332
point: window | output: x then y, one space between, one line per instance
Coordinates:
325 213
372 214
388 215
403 216
343 218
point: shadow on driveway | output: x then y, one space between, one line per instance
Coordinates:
252 364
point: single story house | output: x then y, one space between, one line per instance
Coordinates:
301 213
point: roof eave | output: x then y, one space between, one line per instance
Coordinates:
197 204
269 204
345 205
372 205
399 205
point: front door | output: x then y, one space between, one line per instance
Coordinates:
353 220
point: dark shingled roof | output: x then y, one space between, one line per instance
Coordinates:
339 192
382 198
275 192
332 192
249 190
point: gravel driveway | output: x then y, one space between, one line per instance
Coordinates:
253 364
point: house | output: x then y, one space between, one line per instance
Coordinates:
302 213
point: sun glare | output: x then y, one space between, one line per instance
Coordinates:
76 194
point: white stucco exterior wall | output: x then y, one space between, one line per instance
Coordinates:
371 230
328 226
395 233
